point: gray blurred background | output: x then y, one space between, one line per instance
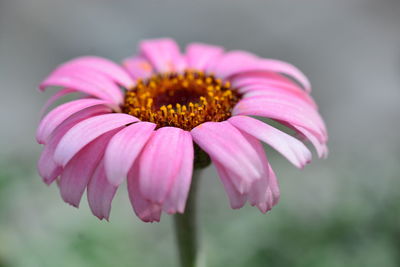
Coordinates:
343 211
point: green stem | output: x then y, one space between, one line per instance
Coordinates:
185 227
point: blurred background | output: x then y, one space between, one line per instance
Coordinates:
343 211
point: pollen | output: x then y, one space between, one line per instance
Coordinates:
181 100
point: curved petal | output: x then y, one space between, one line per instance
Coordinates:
277 91
269 81
236 199
89 76
303 100
138 67
160 163
320 146
231 63
55 98
199 56
267 77
146 210
60 114
176 200
47 168
104 66
272 96
258 193
124 148
100 193
163 54
80 169
280 109
285 68
86 131
79 83
225 144
273 189
291 148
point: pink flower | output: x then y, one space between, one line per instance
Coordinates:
139 123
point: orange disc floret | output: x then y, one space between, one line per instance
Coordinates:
181 100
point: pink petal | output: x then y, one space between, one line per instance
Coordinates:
268 80
160 163
123 150
47 168
85 132
256 78
273 189
304 100
320 145
100 193
236 199
91 77
231 63
258 195
164 55
291 148
139 67
60 114
280 109
176 200
226 145
239 63
146 210
106 67
80 169
272 193
199 55
55 98
285 68
289 100
268 90
78 83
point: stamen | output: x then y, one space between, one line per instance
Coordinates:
181 100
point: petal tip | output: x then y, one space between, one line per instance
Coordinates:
71 203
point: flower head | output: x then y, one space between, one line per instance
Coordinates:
140 122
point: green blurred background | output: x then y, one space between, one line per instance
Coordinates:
343 211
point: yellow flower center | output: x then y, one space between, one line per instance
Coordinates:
181 100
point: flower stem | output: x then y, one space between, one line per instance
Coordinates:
185 227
